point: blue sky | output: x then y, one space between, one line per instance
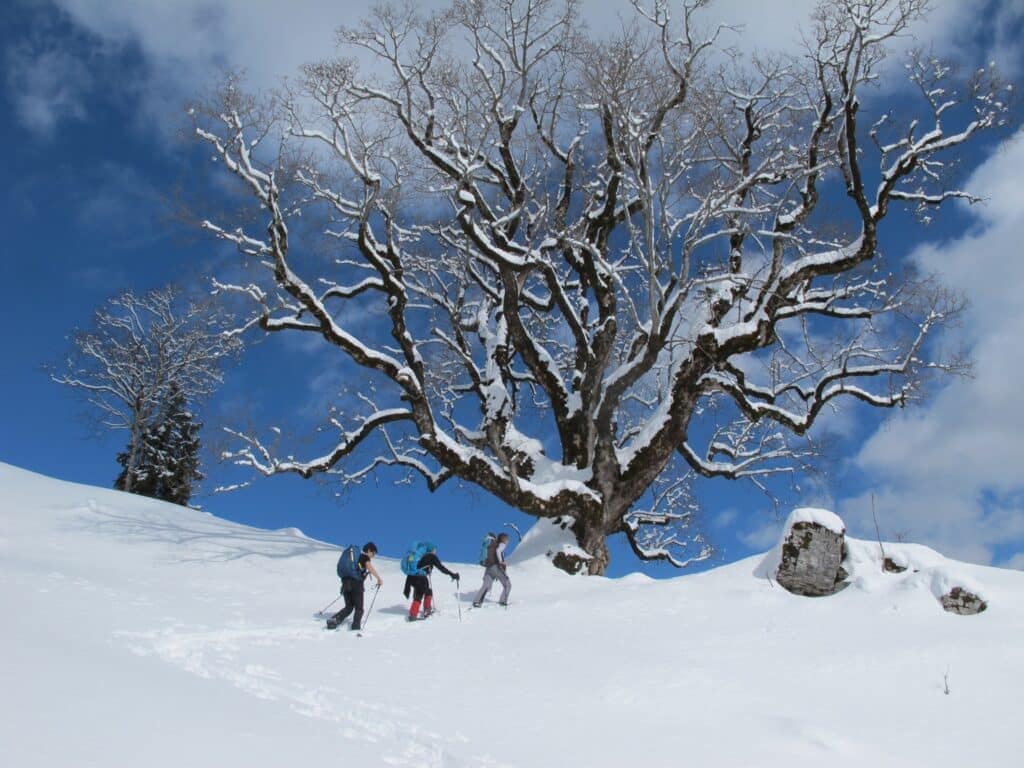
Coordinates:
92 116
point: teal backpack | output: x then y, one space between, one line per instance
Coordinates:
484 546
413 556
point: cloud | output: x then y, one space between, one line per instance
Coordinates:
46 87
763 536
186 44
951 471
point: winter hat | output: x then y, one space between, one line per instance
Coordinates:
370 547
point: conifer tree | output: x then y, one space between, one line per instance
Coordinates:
169 460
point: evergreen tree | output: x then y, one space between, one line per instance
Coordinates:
179 452
169 454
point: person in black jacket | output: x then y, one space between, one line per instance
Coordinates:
352 590
419 585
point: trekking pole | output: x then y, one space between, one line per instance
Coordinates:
366 618
324 609
458 597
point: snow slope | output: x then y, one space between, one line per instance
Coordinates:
141 633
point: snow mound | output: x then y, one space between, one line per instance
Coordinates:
545 539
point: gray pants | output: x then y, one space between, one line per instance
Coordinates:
494 572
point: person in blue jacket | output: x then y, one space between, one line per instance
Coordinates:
419 584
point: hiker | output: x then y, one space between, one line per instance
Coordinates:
353 574
495 568
417 565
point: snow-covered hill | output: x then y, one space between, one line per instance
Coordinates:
138 633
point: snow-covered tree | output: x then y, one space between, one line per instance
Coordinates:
139 365
578 272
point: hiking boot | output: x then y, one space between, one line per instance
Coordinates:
503 603
354 628
410 617
332 623
477 605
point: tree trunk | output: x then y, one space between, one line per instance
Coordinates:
134 449
593 540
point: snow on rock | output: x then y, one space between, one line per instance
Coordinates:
822 517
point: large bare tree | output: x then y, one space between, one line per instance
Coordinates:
598 267
144 357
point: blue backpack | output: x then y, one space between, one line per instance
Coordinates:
484 546
413 556
348 563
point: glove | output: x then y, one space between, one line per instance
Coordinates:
455 577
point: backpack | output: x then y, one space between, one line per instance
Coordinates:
485 546
413 556
348 564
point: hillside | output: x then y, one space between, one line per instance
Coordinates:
139 633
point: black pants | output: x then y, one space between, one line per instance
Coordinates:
419 586
352 591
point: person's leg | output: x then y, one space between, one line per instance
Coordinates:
419 589
428 601
357 604
506 585
340 616
488 581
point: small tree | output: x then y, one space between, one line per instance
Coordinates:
142 362
596 266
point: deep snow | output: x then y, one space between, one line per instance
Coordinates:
139 633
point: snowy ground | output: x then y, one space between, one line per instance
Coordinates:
140 633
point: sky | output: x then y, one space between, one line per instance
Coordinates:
197 642
92 114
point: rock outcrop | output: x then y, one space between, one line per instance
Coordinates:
812 557
960 601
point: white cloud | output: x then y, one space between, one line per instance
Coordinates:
187 43
763 536
46 87
951 471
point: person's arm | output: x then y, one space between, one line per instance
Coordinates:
373 571
430 559
499 553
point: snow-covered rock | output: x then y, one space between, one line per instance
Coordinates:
811 553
